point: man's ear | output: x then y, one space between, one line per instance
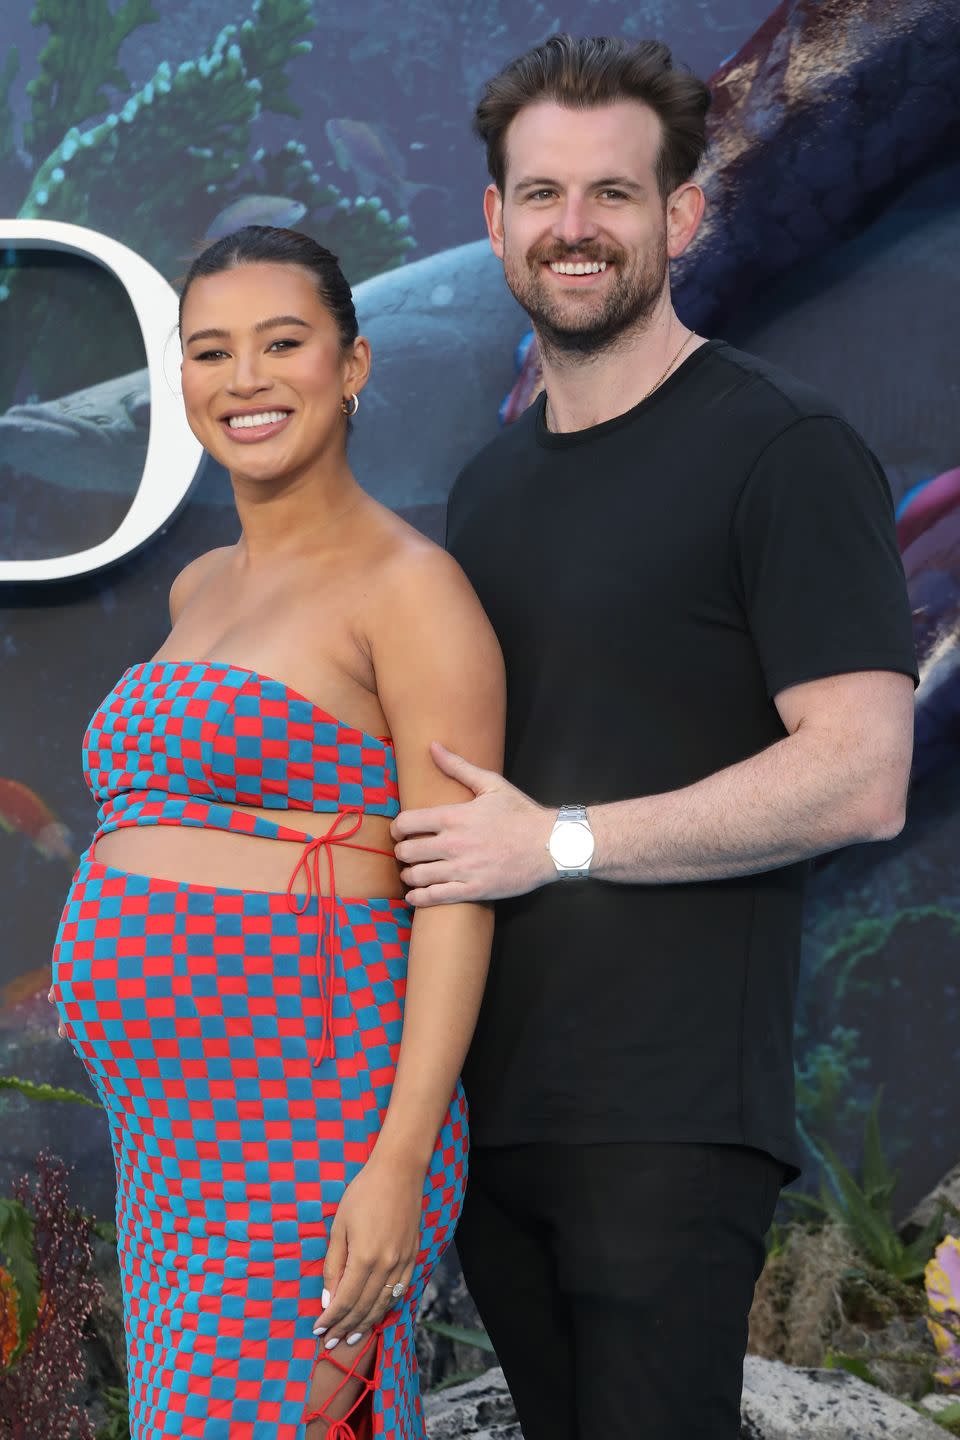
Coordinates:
493 214
685 209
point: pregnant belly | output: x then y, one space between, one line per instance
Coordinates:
247 862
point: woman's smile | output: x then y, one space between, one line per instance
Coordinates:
247 427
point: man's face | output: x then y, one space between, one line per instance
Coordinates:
581 195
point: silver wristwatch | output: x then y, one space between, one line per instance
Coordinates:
571 843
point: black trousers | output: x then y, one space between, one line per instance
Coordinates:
615 1282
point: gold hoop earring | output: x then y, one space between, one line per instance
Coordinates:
351 406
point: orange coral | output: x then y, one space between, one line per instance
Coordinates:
9 1317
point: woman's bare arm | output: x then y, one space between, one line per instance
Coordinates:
439 672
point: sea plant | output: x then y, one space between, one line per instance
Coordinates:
199 114
863 1207
33 1090
57 1291
74 78
824 1078
11 169
95 144
116 1403
463 1334
942 1280
852 958
19 1295
362 232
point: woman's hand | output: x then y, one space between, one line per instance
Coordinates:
373 1246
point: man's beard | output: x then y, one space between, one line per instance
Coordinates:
593 326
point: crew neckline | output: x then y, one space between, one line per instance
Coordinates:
567 439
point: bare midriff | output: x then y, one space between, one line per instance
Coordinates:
205 856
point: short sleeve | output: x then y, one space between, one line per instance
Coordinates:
819 571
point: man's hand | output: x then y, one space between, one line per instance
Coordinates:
484 849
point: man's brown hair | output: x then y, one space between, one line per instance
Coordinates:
581 73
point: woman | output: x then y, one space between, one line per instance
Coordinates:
288 1171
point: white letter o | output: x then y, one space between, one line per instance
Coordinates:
173 452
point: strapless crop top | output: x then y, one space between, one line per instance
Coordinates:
221 733
200 742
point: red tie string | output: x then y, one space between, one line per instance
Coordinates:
342 1429
309 863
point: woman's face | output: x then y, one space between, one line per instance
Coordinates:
264 372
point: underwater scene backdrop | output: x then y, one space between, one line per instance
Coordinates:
832 246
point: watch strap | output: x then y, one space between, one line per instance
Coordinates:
576 815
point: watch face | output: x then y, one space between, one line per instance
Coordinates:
571 845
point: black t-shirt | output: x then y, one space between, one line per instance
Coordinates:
654 581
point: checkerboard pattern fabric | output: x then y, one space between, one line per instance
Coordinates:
220 733
197 1012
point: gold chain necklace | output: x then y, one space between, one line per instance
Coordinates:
656 384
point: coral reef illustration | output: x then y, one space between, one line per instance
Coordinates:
173 156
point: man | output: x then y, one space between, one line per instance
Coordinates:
690 562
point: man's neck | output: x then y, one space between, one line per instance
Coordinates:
586 390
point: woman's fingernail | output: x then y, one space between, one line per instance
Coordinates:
319 1329
325 1299
352 1339
331 1343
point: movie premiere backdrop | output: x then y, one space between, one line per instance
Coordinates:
831 245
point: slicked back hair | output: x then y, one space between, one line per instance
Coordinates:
581 73
271 245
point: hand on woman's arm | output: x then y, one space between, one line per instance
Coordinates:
439 672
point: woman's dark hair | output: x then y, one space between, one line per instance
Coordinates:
268 244
582 73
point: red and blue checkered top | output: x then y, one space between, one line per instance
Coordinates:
202 743
174 734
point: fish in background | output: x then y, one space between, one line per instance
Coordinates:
367 152
255 210
438 329
92 439
529 382
925 504
23 812
928 528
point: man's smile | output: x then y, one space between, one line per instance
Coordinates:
577 274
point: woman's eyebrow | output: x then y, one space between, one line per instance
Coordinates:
208 335
281 320
261 325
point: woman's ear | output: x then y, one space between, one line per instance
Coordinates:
357 369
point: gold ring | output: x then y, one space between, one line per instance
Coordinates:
396 1290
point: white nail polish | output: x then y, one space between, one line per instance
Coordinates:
325 1299
352 1339
319 1329
331 1343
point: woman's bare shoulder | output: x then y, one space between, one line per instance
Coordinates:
193 576
410 559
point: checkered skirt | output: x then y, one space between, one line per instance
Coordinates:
197 1012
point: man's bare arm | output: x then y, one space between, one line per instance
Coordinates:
838 776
